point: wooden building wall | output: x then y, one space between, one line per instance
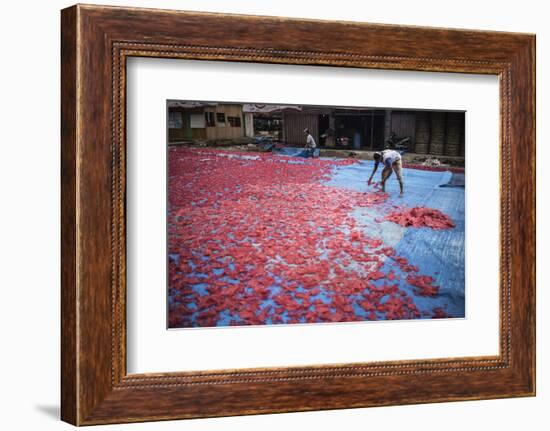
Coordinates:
403 123
225 131
185 133
181 133
219 131
294 125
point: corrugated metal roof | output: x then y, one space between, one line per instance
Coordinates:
185 104
266 108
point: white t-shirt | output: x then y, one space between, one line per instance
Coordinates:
310 142
390 156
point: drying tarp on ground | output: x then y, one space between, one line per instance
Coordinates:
270 239
438 253
295 152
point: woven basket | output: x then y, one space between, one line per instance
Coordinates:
437 138
422 135
453 129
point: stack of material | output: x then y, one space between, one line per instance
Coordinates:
437 142
432 162
454 127
422 132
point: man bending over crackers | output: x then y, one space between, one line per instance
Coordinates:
391 160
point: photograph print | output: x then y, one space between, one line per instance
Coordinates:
301 214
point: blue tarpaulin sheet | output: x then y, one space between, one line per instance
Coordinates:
439 253
295 152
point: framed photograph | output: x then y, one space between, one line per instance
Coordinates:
265 214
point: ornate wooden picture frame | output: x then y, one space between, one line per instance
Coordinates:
96 41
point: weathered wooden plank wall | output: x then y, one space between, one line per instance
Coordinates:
294 125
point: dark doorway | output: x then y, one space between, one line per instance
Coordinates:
324 124
378 131
374 130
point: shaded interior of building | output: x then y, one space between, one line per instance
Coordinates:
418 131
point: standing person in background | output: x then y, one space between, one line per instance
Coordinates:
391 160
329 137
310 144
